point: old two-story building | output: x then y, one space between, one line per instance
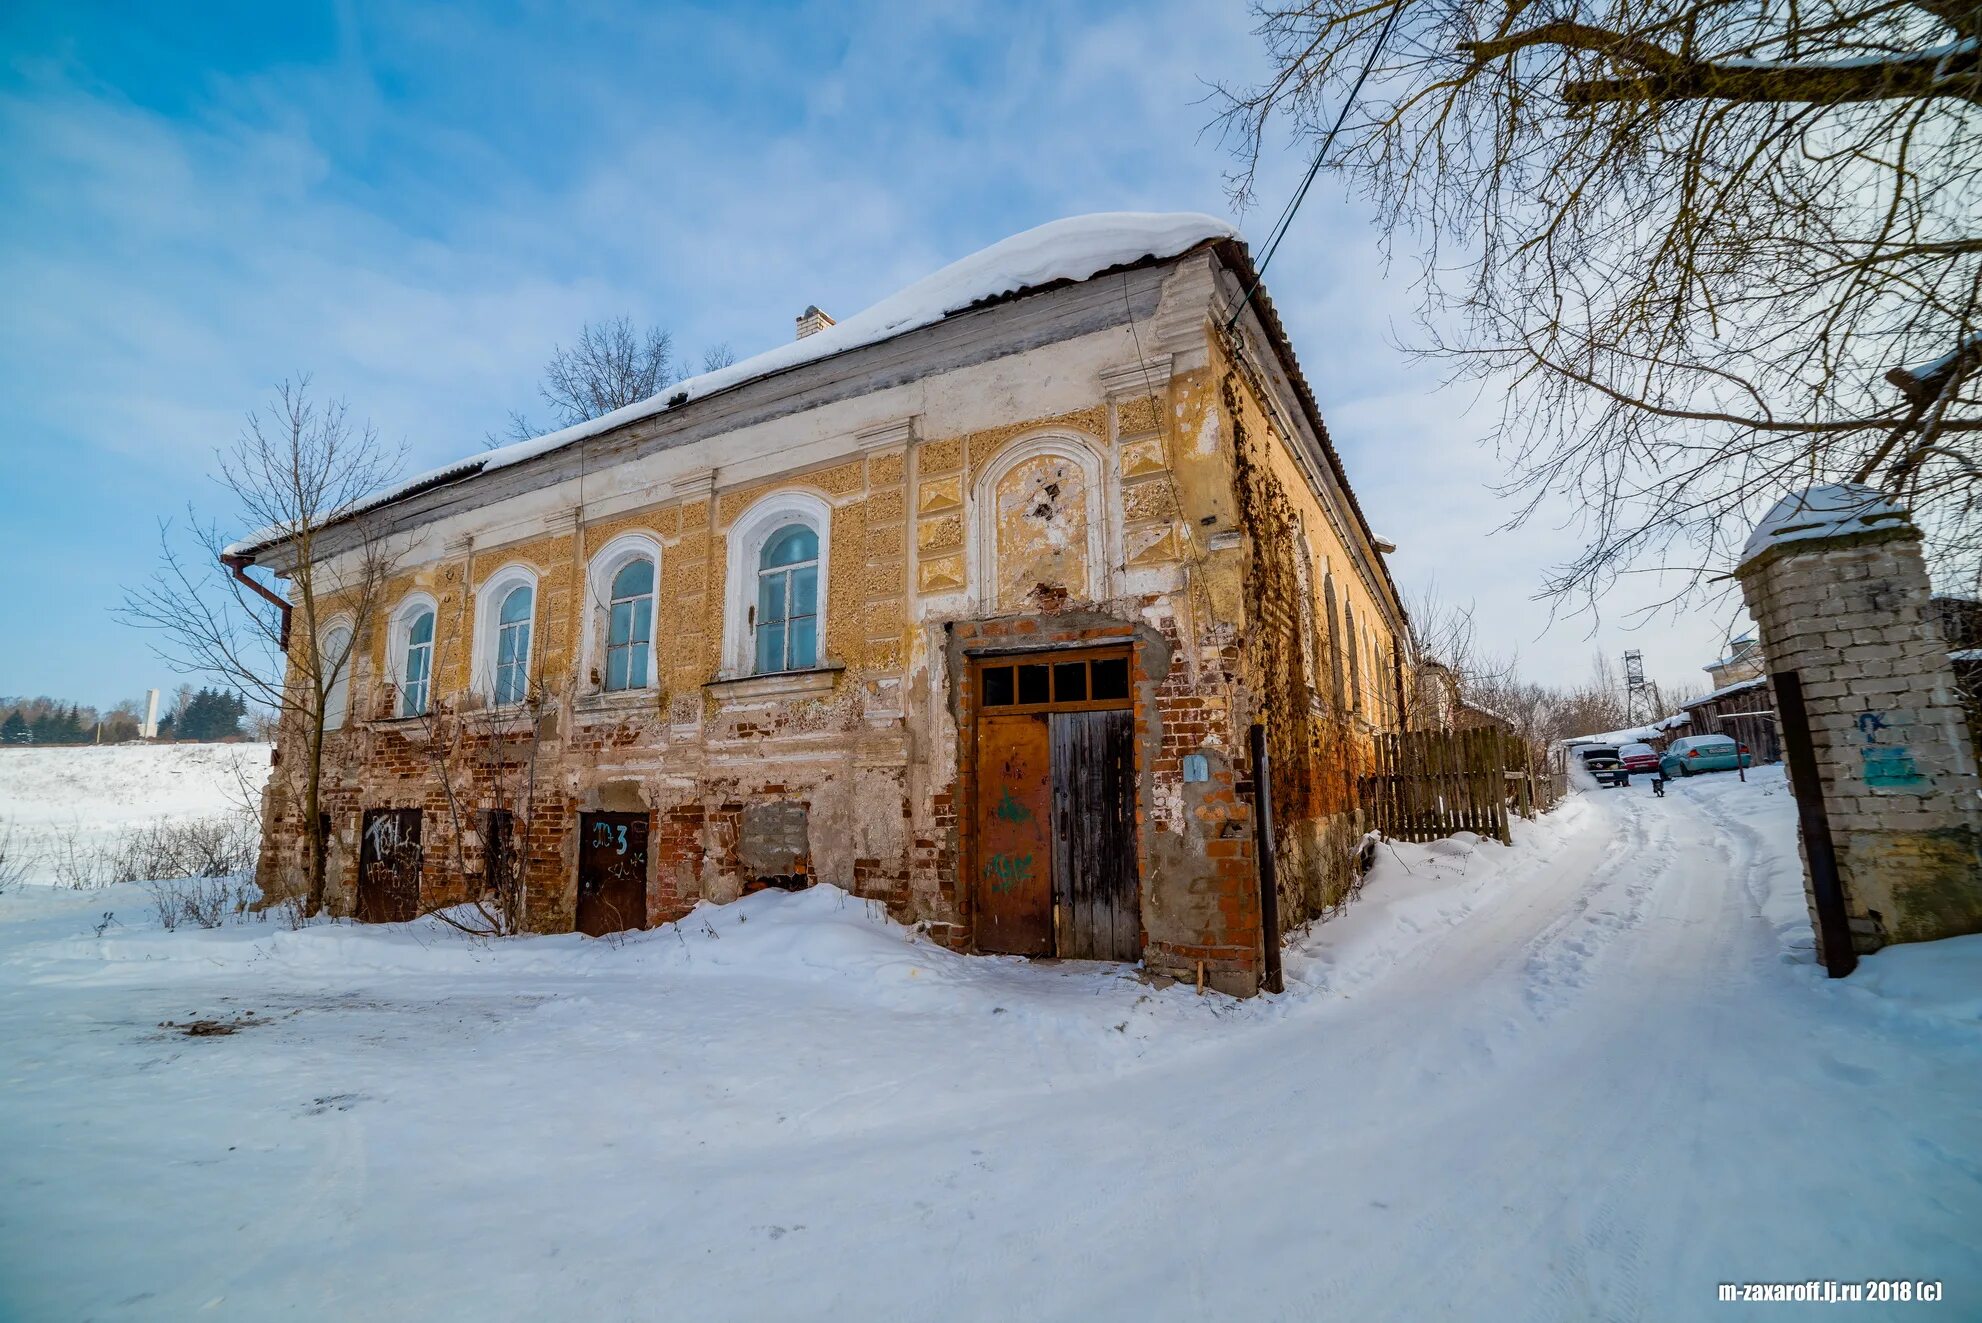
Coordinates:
966 604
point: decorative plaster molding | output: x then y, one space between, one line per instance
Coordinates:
888 436
699 485
1137 379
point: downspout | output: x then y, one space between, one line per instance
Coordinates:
238 567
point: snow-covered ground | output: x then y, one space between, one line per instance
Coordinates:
95 795
1590 1077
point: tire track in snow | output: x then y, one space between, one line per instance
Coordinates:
1587 1100
1560 957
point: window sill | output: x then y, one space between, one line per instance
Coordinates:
779 684
412 728
617 702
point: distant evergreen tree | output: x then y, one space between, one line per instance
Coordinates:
15 729
210 714
168 727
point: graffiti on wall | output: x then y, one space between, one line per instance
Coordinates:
1888 765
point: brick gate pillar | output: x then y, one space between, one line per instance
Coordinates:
1835 580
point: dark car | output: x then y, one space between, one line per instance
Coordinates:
1602 762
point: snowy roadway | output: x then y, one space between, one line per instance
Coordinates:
1589 1078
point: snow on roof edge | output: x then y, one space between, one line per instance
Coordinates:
1738 686
1827 511
1073 249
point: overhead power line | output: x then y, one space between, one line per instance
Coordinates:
1286 221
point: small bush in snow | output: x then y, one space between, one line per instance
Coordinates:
15 857
199 847
76 861
198 902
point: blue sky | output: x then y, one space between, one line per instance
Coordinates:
414 204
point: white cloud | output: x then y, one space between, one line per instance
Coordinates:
418 218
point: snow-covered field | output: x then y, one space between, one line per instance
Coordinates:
1590 1077
94 796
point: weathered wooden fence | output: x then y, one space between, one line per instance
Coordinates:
1428 784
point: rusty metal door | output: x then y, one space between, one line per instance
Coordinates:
612 872
1094 835
389 866
1013 884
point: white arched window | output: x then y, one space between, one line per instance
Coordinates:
505 614
512 667
776 614
620 650
630 626
334 662
787 609
410 653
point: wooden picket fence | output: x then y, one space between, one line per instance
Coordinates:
1428 784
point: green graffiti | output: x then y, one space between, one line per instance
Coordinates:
1891 766
1006 871
1010 809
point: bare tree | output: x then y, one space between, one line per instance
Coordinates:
1443 655
609 366
486 764
288 476
1699 242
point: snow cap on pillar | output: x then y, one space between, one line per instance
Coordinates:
1835 510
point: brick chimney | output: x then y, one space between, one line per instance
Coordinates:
812 321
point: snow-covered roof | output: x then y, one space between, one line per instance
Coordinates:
1966 655
1634 735
1934 367
1739 649
1835 510
1076 248
1738 687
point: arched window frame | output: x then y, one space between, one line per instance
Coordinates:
1355 657
337 692
1335 686
1103 498
1305 617
488 626
746 539
606 564
398 635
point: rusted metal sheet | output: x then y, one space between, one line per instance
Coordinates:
389 866
1094 835
1013 862
612 872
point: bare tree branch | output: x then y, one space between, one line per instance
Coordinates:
289 474
1687 241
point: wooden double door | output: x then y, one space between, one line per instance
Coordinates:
1054 858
